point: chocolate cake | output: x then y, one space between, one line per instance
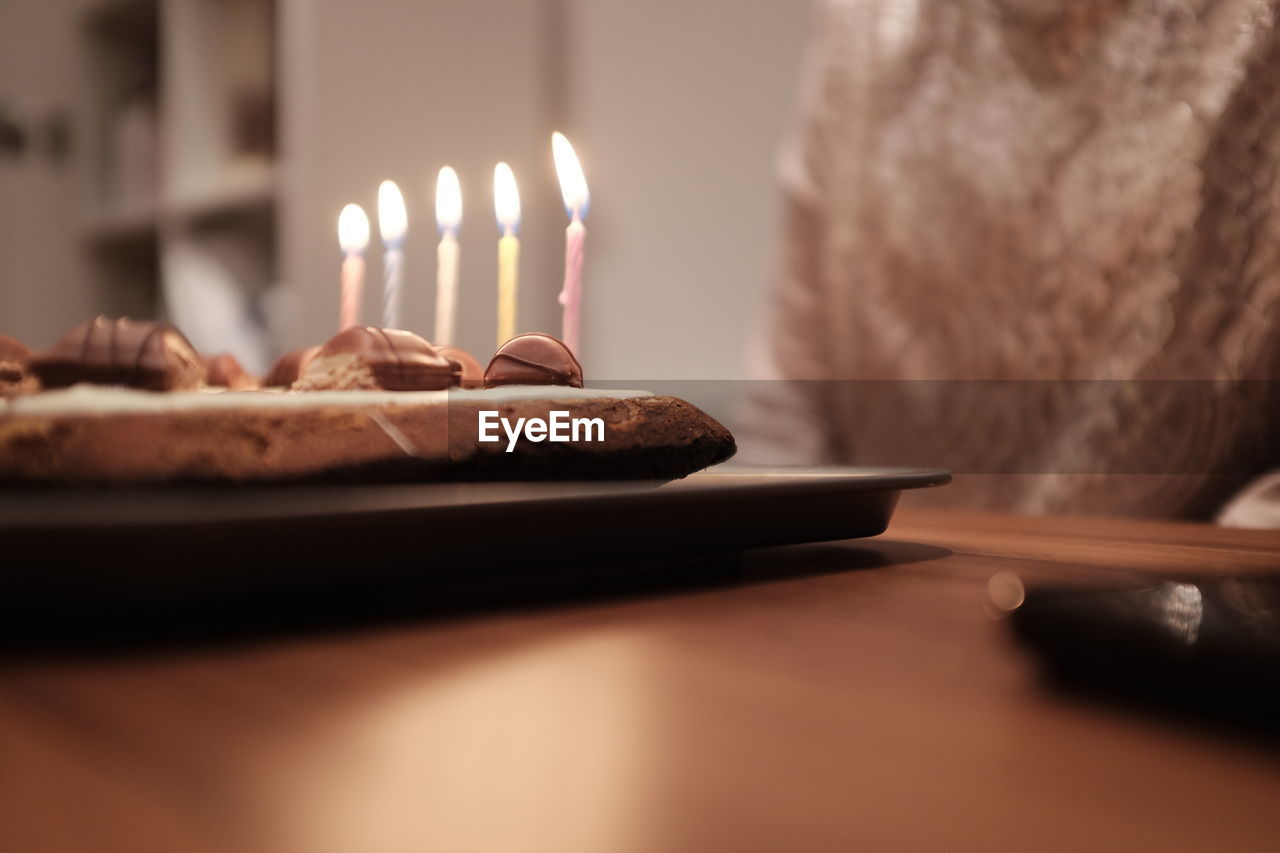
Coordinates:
123 403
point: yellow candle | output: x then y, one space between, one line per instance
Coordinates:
508 262
446 287
506 205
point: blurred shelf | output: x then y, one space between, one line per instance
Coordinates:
242 190
180 96
123 226
123 17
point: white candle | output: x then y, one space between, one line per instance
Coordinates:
573 187
506 206
353 237
448 218
393 222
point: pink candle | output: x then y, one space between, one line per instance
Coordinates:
571 295
573 186
352 289
353 236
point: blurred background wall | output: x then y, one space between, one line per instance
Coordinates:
213 142
45 283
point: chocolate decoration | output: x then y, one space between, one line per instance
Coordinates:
223 371
466 370
371 357
289 367
13 375
12 350
106 351
533 359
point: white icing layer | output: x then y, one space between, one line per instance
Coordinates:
102 399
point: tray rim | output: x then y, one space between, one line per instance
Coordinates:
258 505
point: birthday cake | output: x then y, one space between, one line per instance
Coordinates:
123 402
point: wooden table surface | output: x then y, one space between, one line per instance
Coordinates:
846 696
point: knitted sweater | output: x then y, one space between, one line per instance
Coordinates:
1069 200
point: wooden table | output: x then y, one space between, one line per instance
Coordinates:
848 696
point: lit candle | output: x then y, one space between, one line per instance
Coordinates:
448 218
573 187
393 221
353 237
506 206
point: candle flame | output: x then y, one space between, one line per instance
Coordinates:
353 229
573 183
506 198
393 220
448 200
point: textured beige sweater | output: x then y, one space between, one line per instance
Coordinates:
1036 191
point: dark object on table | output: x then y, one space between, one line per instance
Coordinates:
118 351
533 360
1206 645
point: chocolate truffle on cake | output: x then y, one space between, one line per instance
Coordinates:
224 371
13 351
533 359
467 372
371 358
14 378
289 367
108 351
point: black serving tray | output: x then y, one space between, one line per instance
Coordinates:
104 541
